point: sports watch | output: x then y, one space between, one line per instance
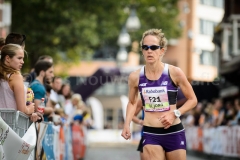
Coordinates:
177 113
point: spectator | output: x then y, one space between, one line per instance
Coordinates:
56 87
87 119
218 113
189 120
16 38
45 58
65 95
230 112
236 120
75 101
44 71
197 114
32 76
48 88
12 91
2 43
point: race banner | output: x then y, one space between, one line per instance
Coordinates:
68 143
61 144
222 140
12 146
41 130
47 142
56 143
78 143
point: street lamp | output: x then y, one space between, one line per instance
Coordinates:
122 54
124 40
133 22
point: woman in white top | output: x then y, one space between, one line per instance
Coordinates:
12 91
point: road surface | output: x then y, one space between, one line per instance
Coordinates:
117 152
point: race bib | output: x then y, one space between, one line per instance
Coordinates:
156 99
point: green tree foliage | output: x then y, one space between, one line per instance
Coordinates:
74 29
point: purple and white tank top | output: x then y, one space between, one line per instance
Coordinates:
157 95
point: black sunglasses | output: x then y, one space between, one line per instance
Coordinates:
153 47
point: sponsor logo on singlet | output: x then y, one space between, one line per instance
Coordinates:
164 83
146 91
143 84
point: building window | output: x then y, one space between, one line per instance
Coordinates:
113 118
214 3
108 118
206 58
113 88
109 88
120 119
207 27
121 88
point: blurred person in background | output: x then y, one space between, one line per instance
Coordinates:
75 102
79 108
32 75
65 95
49 103
236 120
197 114
44 72
218 113
164 135
208 110
45 58
12 90
78 138
189 119
230 112
2 43
16 38
56 87
87 118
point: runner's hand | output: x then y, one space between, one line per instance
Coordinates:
167 119
126 132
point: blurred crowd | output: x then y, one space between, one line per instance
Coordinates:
67 106
213 114
61 105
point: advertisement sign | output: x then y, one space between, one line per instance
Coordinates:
222 140
14 147
47 142
41 130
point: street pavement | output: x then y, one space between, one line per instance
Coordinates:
117 152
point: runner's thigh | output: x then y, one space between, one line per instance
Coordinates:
154 152
179 154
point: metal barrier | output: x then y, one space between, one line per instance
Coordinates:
17 120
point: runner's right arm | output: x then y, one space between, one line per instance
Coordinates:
132 104
138 109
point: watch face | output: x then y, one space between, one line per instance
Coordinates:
177 113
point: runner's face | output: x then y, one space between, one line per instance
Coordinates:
150 55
